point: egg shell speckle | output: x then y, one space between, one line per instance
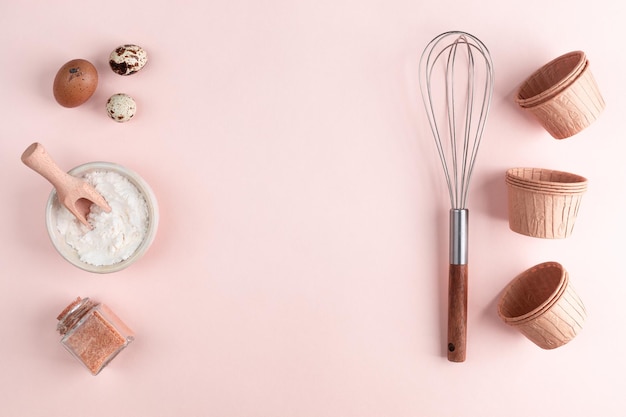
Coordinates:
121 107
128 59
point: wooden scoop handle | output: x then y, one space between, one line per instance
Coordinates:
457 313
72 192
36 158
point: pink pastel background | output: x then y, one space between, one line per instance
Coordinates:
300 268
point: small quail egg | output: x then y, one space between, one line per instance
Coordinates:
121 107
127 59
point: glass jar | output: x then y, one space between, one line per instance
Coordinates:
92 333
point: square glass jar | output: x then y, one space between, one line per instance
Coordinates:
93 333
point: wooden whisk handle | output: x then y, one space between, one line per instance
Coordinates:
457 313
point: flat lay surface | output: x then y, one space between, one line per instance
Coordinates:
300 264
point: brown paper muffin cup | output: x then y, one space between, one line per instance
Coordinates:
555 313
531 292
550 79
542 214
571 110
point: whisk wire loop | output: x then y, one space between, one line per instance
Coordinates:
464 122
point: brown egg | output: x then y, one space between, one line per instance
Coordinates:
75 83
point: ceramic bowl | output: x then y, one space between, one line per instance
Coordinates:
69 253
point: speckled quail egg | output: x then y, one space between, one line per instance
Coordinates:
121 107
128 59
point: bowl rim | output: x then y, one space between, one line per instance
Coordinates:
153 216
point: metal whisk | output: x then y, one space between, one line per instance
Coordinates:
456 81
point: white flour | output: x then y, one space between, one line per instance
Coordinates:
115 235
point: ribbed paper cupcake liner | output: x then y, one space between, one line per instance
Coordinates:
542 214
573 109
559 324
556 320
547 304
531 292
551 78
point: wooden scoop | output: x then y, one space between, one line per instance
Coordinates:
75 194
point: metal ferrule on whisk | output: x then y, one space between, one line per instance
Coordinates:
458 236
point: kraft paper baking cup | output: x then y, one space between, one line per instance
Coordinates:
542 304
542 214
551 78
571 110
532 292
